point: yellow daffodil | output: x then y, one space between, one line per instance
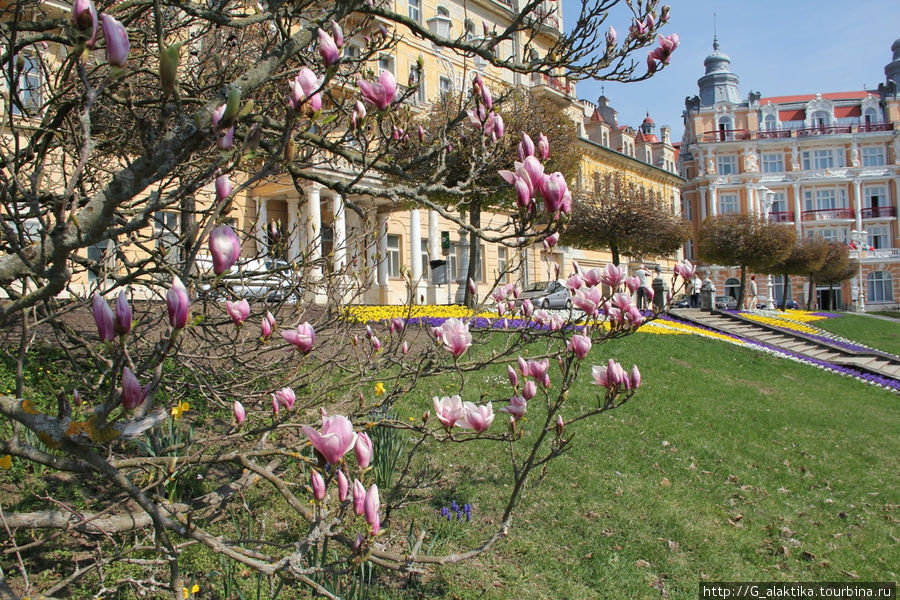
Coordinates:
188 593
178 411
6 462
379 389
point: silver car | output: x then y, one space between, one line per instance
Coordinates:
264 279
726 303
547 294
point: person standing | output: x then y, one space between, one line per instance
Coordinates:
696 283
752 299
643 276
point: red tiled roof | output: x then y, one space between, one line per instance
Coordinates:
792 115
841 112
807 97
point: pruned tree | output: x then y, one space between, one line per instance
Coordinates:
807 256
836 267
745 241
625 217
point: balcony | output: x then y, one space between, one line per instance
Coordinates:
877 212
872 127
781 216
556 88
814 131
726 135
827 214
773 134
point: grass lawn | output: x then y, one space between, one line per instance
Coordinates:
728 465
875 333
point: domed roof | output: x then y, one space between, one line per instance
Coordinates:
895 48
717 61
648 120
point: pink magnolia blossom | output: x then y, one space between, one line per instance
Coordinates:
632 283
541 316
84 16
343 486
513 376
302 88
318 485
543 147
592 277
574 282
380 93
371 509
239 413
178 303
359 497
553 189
404 347
337 34
225 248
685 269
363 450
268 324
556 323
535 171
551 240
328 49
588 299
103 318
117 44
455 336
529 390
527 307
610 36
579 345
285 398
526 147
477 418
133 394
238 311
635 377
667 45
517 407
335 439
448 410
223 188
537 368
613 276
303 339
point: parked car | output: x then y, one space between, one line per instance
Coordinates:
266 279
547 294
726 303
791 305
681 301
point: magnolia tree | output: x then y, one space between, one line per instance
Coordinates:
176 410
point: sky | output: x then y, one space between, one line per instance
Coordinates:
777 48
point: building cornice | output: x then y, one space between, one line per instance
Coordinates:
666 177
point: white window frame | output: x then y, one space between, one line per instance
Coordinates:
879 284
419 81
445 86
871 192
726 164
872 156
29 93
502 258
386 62
779 201
729 202
414 10
773 162
394 255
879 236
426 259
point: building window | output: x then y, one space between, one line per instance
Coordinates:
879 236
779 202
451 262
103 259
689 249
873 156
471 30
825 199
826 158
393 256
501 264
831 234
772 162
28 86
415 78
874 196
820 118
771 123
729 203
880 287
446 86
415 10
726 165
166 228
352 51
426 267
386 63
871 116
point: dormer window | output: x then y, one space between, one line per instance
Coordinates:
819 119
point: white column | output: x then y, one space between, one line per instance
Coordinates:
314 229
371 251
381 257
703 208
415 250
857 204
434 235
798 214
752 203
340 232
262 220
293 225
714 200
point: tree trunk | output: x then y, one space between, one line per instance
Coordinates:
614 250
784 291
474 250
740 300
811 299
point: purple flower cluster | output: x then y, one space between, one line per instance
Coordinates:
460 513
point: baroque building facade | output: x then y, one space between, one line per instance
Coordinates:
827 164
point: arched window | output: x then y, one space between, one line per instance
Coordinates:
732 287
880 287
771 123
725 129
871 116
820 118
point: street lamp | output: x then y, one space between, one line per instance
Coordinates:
767 201
859 238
